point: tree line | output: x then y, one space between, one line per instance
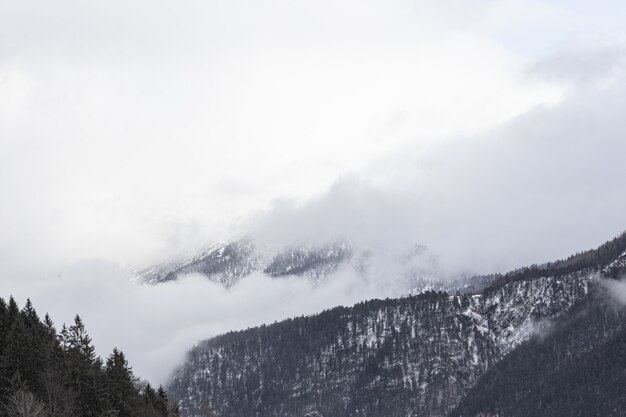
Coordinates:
582 262
45 373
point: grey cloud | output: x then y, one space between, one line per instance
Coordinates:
616 289
350 209
542 186
583 61
156 325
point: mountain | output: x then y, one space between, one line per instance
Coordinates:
227 263
414 270
224 263
414 356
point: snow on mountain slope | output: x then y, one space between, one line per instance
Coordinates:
224 263
401 357
227 263
577 369
413 356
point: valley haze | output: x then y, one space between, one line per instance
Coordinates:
491 136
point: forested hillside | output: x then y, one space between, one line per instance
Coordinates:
578 368
57 374
415 356
609 259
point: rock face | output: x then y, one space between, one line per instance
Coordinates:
413 356
314 263
224 263
227 263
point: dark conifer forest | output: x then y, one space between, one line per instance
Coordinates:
45 372
578 368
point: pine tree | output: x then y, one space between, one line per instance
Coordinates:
149 395
161 402
12 310
16 355
51 347
31 319
121 391
84 370
59 373
4 328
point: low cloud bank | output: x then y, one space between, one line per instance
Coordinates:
156 325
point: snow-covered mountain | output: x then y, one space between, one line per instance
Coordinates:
227 263
415 269
413 356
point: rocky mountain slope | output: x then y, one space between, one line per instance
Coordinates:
578 368
227 263
224 263
413 356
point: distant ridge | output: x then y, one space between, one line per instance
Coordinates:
610 257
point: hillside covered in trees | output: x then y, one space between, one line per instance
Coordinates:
427 354
57 374
413 356
609 259
577 369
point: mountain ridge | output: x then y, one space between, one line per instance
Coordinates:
409 364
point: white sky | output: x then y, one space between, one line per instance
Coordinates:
129 130
134 131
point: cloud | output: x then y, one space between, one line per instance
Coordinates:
133 132
156 325
616 289
583 61
350 209
537 188
122 123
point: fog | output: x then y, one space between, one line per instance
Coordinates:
131 132
617 289
542 186
156 325
492 134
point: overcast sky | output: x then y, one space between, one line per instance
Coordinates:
492 131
